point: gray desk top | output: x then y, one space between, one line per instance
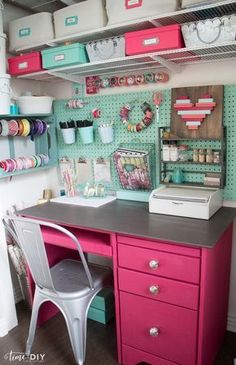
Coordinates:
133 218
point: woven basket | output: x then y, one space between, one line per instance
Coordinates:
210 31
106 49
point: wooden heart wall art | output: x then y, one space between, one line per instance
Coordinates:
194 114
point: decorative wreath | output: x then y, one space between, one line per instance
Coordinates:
144 123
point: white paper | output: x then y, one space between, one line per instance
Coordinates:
102 170
85 202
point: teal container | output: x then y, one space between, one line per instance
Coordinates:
86 134
102 308
101 316
62 56
104 299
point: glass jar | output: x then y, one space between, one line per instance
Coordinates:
174 155
216 157
195 155
209 155
183 152
202 156
166 151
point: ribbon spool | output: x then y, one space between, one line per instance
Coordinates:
144 123
24 163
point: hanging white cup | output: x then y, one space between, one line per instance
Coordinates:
68 135
106 133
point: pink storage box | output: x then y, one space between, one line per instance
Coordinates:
20 65
153 40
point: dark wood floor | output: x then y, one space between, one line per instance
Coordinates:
52 339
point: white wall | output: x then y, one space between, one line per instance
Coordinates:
21 191
25 188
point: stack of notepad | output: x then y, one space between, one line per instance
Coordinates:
102 307
212 179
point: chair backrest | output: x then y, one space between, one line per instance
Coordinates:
27 233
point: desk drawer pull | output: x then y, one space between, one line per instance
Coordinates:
154 331
153 264
154 289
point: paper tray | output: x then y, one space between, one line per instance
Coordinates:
85 202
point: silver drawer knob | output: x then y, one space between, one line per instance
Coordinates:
154 331
153 264
154 289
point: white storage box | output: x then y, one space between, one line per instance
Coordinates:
210 31
192 202
87 15
106 49
120 11
30 30
195 3
35 104
5 94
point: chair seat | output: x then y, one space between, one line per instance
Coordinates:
69 277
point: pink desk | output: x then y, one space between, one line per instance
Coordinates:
171 276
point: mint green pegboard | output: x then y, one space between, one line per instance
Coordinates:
110 106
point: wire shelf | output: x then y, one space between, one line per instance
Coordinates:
217 9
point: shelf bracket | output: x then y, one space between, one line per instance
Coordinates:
64 76
155 23
168 64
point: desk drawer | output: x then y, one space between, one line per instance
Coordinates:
157 288
161 329
159 263
133 356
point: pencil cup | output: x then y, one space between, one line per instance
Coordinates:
68 135
106 133
86 134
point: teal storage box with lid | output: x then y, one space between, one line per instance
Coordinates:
102 307
62 56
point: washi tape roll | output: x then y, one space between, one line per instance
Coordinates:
161 77
113 81
122 81
139 79
20 127
26 127
13 127
149 77
5 130
130 80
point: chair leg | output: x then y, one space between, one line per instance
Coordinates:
77 338
75 314
33 322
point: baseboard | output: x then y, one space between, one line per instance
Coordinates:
3 327
17 294
231 323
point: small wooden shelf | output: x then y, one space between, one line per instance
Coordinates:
21 172
166 167
192 163
187 183
11 116
189 139
15 147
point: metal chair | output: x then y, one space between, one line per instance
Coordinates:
71 285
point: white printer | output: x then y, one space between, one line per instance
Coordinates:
193 202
